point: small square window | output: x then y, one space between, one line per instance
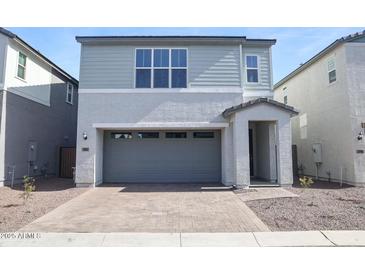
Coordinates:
143 78
176 135
121 135
178 78
332 76
148 135
252 75
203 135
161 78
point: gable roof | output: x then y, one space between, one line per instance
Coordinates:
37 53
229 111
344 39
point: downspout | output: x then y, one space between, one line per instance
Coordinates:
241 75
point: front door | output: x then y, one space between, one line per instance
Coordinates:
251 151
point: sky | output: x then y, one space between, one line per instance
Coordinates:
294 45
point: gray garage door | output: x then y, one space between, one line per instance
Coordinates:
162 156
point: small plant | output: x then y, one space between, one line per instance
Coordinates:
29 187
306 181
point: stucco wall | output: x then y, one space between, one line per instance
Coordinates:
355 73
136 108
327 107
50 127
241 162
38 80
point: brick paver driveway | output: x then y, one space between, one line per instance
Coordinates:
151 208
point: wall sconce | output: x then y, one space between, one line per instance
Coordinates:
84 135
360 136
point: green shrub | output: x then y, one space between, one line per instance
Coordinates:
306 181
29 187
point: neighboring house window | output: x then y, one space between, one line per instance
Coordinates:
161 68
286 99
252 68
331 70
22 63
303 124
69 93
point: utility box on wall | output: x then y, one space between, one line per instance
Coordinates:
317 152
32 152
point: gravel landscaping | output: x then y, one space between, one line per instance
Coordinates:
49 194
324 206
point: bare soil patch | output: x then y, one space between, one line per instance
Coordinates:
324 206
49 194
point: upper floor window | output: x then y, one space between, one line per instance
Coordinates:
22 63
331 64
161 68
69 93
252 68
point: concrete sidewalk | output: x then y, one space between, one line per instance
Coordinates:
244 239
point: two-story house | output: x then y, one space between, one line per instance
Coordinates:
38 108
329 91
175 109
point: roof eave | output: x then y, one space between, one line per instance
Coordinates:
229 111
97 39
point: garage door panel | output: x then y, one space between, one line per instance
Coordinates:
162 160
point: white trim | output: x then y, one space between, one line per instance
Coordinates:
161 90
258 93
152 67
67 93
241 67
271 71
161 125
258 70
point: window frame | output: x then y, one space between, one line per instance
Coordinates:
247 68
140 135
169 68
329 71
197 133
72 93
23 66
128 133
176 138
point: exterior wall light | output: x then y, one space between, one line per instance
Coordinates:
84 135
360 136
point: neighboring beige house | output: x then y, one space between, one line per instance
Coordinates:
177 109
329 92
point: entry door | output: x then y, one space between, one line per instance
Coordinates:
67 161
251 151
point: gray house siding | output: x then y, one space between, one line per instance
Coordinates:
50 127
265 78
214 66
112 66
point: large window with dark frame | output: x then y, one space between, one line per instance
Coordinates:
161 68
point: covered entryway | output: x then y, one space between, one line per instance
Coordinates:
258 143
263 154
155 156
